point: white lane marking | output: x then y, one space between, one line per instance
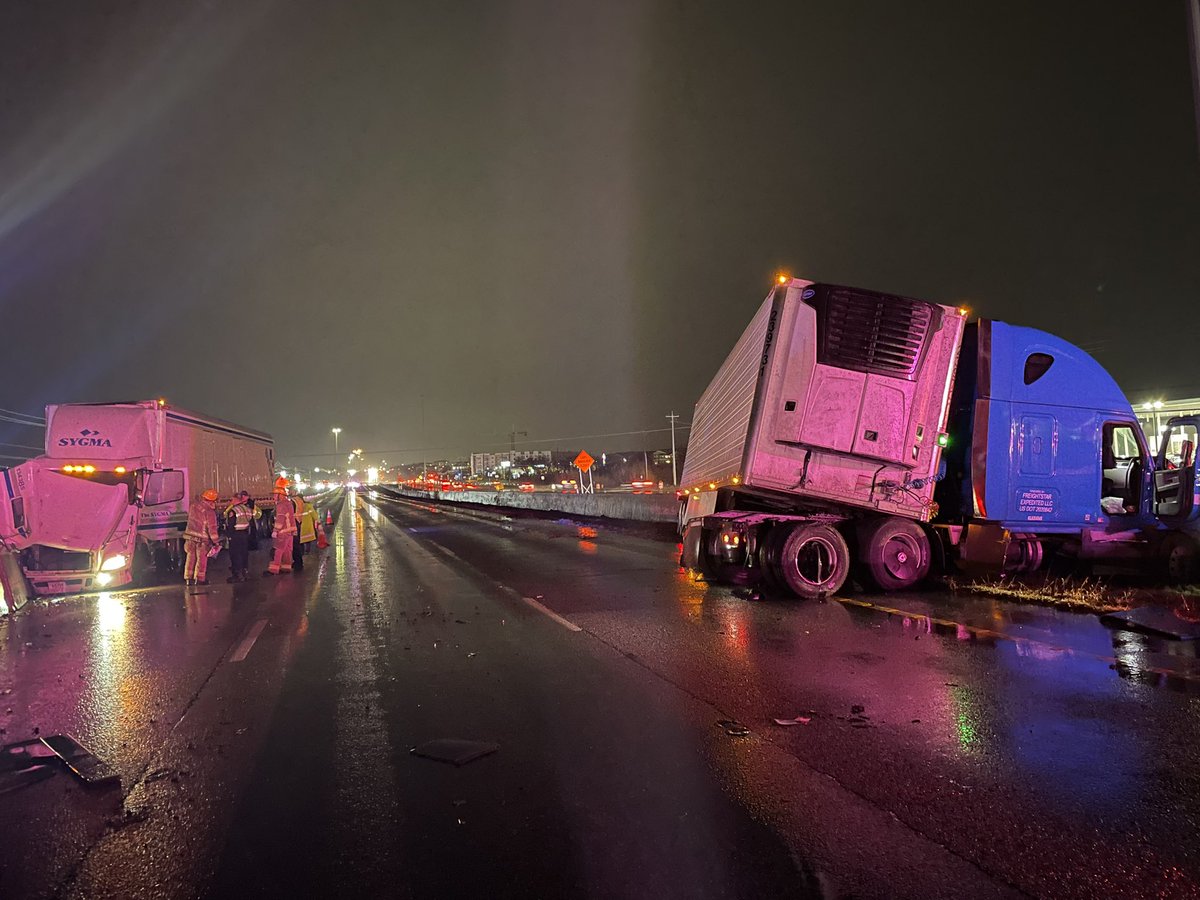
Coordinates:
243 649
565 623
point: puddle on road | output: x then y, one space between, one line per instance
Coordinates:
1157 662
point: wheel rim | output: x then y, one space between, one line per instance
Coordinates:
902 557
816 561
1179 562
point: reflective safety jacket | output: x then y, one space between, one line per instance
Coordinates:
202 523
306 520
285 516
239 516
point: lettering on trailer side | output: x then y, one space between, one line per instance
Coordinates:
767 343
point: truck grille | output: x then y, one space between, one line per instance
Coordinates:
876 333
52 559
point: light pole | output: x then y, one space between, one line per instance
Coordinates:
336 432
674 478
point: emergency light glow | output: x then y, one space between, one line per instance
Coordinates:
120 470
943 440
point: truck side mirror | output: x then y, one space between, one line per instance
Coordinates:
162 487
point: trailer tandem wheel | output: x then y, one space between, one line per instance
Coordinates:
894 553
814 561
769 547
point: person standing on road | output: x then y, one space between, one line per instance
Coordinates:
306 531
200 538
285 528
239 519
252 532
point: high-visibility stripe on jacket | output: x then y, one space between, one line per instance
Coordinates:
285 516
242 514
202 523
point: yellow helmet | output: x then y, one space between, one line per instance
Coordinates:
210 494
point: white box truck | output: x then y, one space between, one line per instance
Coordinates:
110 495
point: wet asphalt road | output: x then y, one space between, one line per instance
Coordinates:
262 733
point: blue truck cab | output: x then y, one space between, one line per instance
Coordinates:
1045 449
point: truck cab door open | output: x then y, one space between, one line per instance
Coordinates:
1123 459
1175 470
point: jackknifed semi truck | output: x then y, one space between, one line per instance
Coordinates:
109 498
852 430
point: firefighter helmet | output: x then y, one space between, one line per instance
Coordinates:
210 495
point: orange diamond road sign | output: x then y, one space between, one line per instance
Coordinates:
583 461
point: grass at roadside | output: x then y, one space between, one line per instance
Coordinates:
1078 595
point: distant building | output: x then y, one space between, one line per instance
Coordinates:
487 463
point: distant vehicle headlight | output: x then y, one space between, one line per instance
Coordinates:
113 563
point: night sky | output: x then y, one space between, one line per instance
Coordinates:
559 216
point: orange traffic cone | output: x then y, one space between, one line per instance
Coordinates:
328 517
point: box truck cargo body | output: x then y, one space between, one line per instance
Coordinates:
849 423
114 486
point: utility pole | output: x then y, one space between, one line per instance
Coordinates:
674 477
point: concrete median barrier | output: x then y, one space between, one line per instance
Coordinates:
630 507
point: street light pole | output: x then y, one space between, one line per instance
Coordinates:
1193 7
674 477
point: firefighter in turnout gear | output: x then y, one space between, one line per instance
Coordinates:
201 538
240 517
285 528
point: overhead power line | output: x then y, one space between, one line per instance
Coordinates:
41 420
507 445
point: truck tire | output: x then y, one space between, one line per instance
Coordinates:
1023 555
769 546
813 561
894 554
1180 556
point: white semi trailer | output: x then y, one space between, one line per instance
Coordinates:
110 495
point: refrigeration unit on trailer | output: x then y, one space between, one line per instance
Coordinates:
111 493
850 425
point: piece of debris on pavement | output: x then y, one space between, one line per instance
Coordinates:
799 720
733 728
455 751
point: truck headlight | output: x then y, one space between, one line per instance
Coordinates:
103 579
113 563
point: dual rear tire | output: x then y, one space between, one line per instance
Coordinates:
808 560
893 554
812 560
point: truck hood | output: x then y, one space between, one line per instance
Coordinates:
70 513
